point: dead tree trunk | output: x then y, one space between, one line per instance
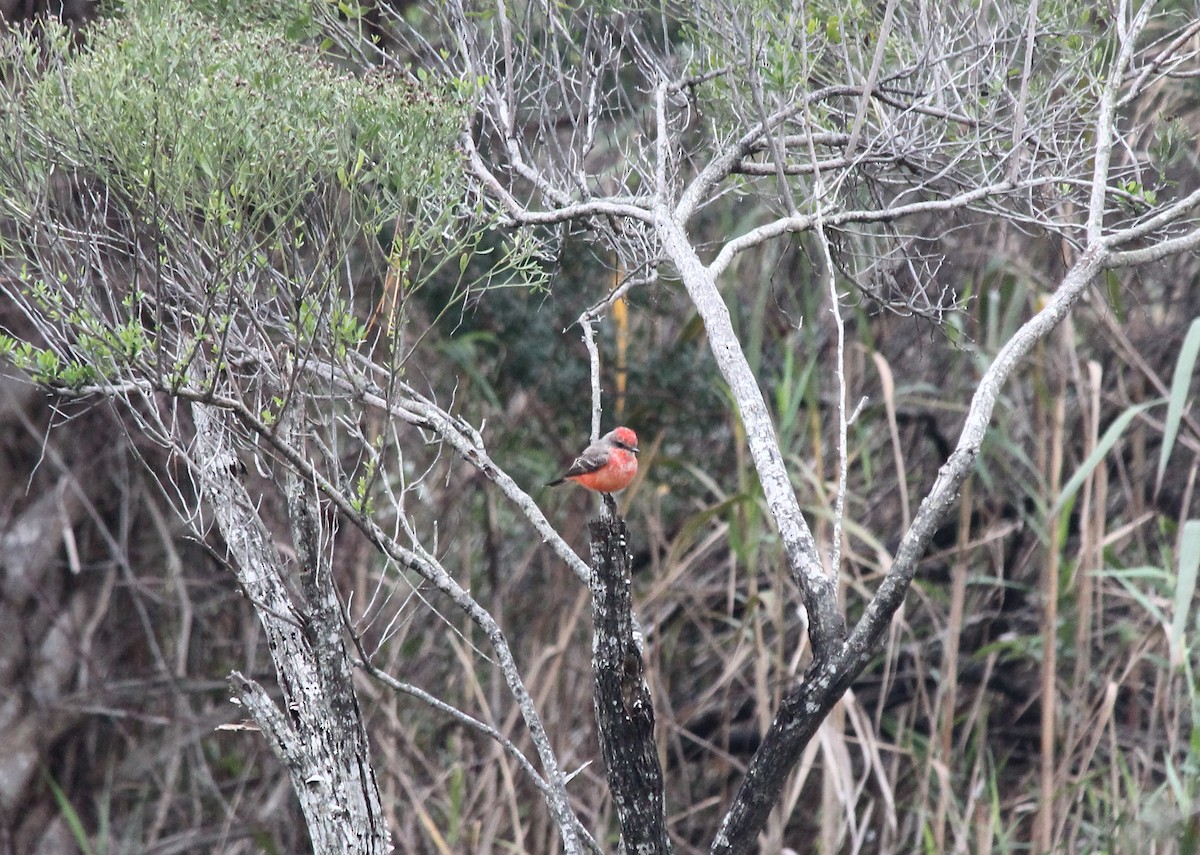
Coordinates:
624 712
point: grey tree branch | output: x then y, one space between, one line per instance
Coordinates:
835 308
802 710
829 677
325 750
947 180
589 340
804 222
817 590
249 540
474 724
428 567
587 322
1104 118
881 40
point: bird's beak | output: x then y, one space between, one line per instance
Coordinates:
634 449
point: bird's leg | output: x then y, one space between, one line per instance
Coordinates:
609 508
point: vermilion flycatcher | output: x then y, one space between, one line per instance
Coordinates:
607 465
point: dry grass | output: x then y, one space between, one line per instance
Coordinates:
1026 700
1032 695
1029 698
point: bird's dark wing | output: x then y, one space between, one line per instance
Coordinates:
593 457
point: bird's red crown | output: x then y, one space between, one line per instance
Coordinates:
625 436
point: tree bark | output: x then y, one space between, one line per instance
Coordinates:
624 711
320 738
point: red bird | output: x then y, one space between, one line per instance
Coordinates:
607 465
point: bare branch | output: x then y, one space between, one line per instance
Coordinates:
818 591
803 223
1105 116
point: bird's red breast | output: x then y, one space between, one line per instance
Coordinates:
616 474
607 465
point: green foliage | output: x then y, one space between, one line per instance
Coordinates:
1171 138
1181 382
70 816
1185 589
248 171
361 499
1110 438
236 127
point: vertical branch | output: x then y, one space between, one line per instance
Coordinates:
587 321
827 624
1105 117
947 697
336 790
864 101
662 145
1014 165
801 711
589 340
323 624
835 308
624 712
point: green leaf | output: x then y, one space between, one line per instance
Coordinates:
1127 578
1180 385
1185 588
1114 432
69 815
